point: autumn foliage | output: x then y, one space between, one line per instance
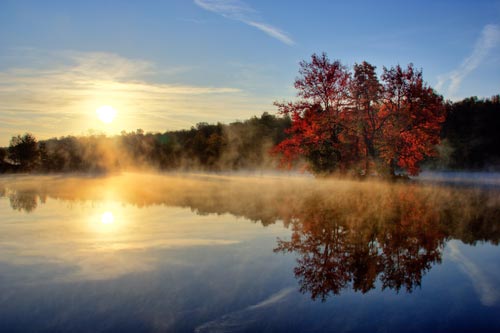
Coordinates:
350 121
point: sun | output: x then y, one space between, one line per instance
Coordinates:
106 113
107 218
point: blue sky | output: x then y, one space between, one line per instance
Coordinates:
171 64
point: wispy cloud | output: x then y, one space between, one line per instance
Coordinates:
488 292
450 82
241 320
52 99
240 11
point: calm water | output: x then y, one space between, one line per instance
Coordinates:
246 254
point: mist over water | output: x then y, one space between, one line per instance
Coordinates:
228 251
265 198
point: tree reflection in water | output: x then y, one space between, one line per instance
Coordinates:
337 250
26 200
346 234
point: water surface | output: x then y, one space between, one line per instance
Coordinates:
208 253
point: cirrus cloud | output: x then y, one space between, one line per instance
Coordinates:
489 38
240 11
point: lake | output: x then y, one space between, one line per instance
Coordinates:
233 253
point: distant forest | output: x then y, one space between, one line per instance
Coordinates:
469 141
470 136
205 147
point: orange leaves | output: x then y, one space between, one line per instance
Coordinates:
345 120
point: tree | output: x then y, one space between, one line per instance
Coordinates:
23 151
471 132
412 114
323 82
3 163
317 118
44 156
365 102
344 122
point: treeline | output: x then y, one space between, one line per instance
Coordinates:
206 147
469 141
470 136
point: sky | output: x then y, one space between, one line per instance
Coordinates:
168 65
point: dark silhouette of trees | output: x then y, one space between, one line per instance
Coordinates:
3 157
470 134
3 154
208 147
344 122
23 151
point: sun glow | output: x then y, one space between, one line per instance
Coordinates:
107 218
106 113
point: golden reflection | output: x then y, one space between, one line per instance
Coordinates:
109 221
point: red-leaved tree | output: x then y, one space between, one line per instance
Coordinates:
412 115
318 117
351 122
